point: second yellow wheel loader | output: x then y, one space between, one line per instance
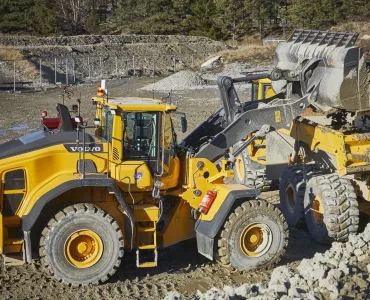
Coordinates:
321 158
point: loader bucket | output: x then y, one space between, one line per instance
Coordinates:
330 60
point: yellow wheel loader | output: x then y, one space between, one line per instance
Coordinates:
80 195
320 159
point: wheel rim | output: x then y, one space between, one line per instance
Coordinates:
290 196
317 210
256 239
83 248
239 166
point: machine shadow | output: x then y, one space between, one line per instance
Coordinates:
168 262
300 246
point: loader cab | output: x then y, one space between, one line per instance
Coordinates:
142 141
262 89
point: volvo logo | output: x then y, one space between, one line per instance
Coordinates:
90 148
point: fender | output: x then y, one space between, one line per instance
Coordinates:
207 230
30 219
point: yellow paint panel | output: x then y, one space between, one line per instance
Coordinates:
135 173
277 116
135 104
146 212
181 226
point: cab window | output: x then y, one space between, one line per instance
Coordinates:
167 141
140 135
107 123
254 91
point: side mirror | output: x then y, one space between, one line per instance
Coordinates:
184 124
75 108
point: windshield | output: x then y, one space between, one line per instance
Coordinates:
140 132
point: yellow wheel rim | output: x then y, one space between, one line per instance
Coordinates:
256 239
83 248
290 196
239 167
317 210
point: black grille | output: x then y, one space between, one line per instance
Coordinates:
115 153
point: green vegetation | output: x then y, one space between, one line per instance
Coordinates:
218 19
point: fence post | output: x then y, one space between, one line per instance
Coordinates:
192 61
55 70
153 66
14 75
116 66
66 71
40 72
73 71
133 64
88 65
174 64
101 69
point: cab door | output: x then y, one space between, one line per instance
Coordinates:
139 142
169 162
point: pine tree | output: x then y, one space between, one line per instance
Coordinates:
203 20
317 14
181 7
16 15
92 21
233 18
260 11
358 9
44 19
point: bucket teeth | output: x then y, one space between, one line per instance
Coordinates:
330 61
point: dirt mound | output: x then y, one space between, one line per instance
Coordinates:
183 80
342 271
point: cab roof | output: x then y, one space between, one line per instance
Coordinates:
135 104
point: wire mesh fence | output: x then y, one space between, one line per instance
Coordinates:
19 75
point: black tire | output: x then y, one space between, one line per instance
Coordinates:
340 215
254 176
275 231
60 229
292 188
256 179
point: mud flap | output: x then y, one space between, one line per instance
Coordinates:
205 245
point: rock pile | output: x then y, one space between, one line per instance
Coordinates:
342 271
183 80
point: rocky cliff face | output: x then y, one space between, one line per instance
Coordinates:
95 56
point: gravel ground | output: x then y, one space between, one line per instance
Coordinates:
181 269
340 272
183 80
189 80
